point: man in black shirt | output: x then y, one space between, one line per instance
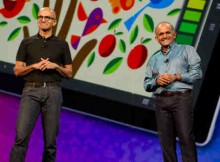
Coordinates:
42 60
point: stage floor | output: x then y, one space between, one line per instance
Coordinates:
85 138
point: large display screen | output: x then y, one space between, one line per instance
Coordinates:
111 42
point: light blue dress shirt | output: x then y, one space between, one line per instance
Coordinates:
181 59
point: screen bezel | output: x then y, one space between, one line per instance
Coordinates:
138 110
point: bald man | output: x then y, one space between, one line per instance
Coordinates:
170 75
42 60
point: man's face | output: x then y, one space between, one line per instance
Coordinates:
165 34
46 19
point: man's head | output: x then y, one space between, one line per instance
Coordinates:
165 34
46 19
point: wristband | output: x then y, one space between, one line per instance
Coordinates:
176 78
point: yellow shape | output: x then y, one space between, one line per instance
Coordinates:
196 4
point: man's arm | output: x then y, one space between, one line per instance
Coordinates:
65 71
21 68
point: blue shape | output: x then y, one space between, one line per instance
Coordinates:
153 4
161 4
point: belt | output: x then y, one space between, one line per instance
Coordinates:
42 84
176 93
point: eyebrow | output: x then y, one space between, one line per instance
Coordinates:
47 17
167 32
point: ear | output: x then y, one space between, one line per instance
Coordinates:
174 36
156 39
54 23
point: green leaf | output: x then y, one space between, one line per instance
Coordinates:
122 46
119 33
148 23
145 41
113 65
35 9
174 12
91 59
23 19
114 24
134 34
3 23
14 34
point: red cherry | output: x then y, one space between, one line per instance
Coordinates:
137 56
12 8
107 45
126 4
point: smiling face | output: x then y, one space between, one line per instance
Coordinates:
46 19
165 34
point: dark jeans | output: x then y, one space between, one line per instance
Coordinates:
175 118
34 101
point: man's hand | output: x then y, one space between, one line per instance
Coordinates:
45 64
165 79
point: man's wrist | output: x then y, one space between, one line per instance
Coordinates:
177 77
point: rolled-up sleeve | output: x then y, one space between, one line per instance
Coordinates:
194 71
150 78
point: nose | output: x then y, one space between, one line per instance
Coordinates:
164 36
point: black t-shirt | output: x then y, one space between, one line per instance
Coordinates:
32 49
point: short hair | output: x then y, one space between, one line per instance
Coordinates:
164 22
50 9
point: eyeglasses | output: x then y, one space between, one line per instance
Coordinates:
46 18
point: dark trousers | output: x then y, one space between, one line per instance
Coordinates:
174 117
34 101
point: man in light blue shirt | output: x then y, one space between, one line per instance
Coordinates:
170 75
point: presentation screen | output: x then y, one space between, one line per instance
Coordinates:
111 42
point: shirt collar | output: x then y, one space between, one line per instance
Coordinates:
170 47
49 38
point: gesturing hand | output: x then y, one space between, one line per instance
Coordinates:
46 64
165 79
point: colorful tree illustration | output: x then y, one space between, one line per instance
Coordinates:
111 40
